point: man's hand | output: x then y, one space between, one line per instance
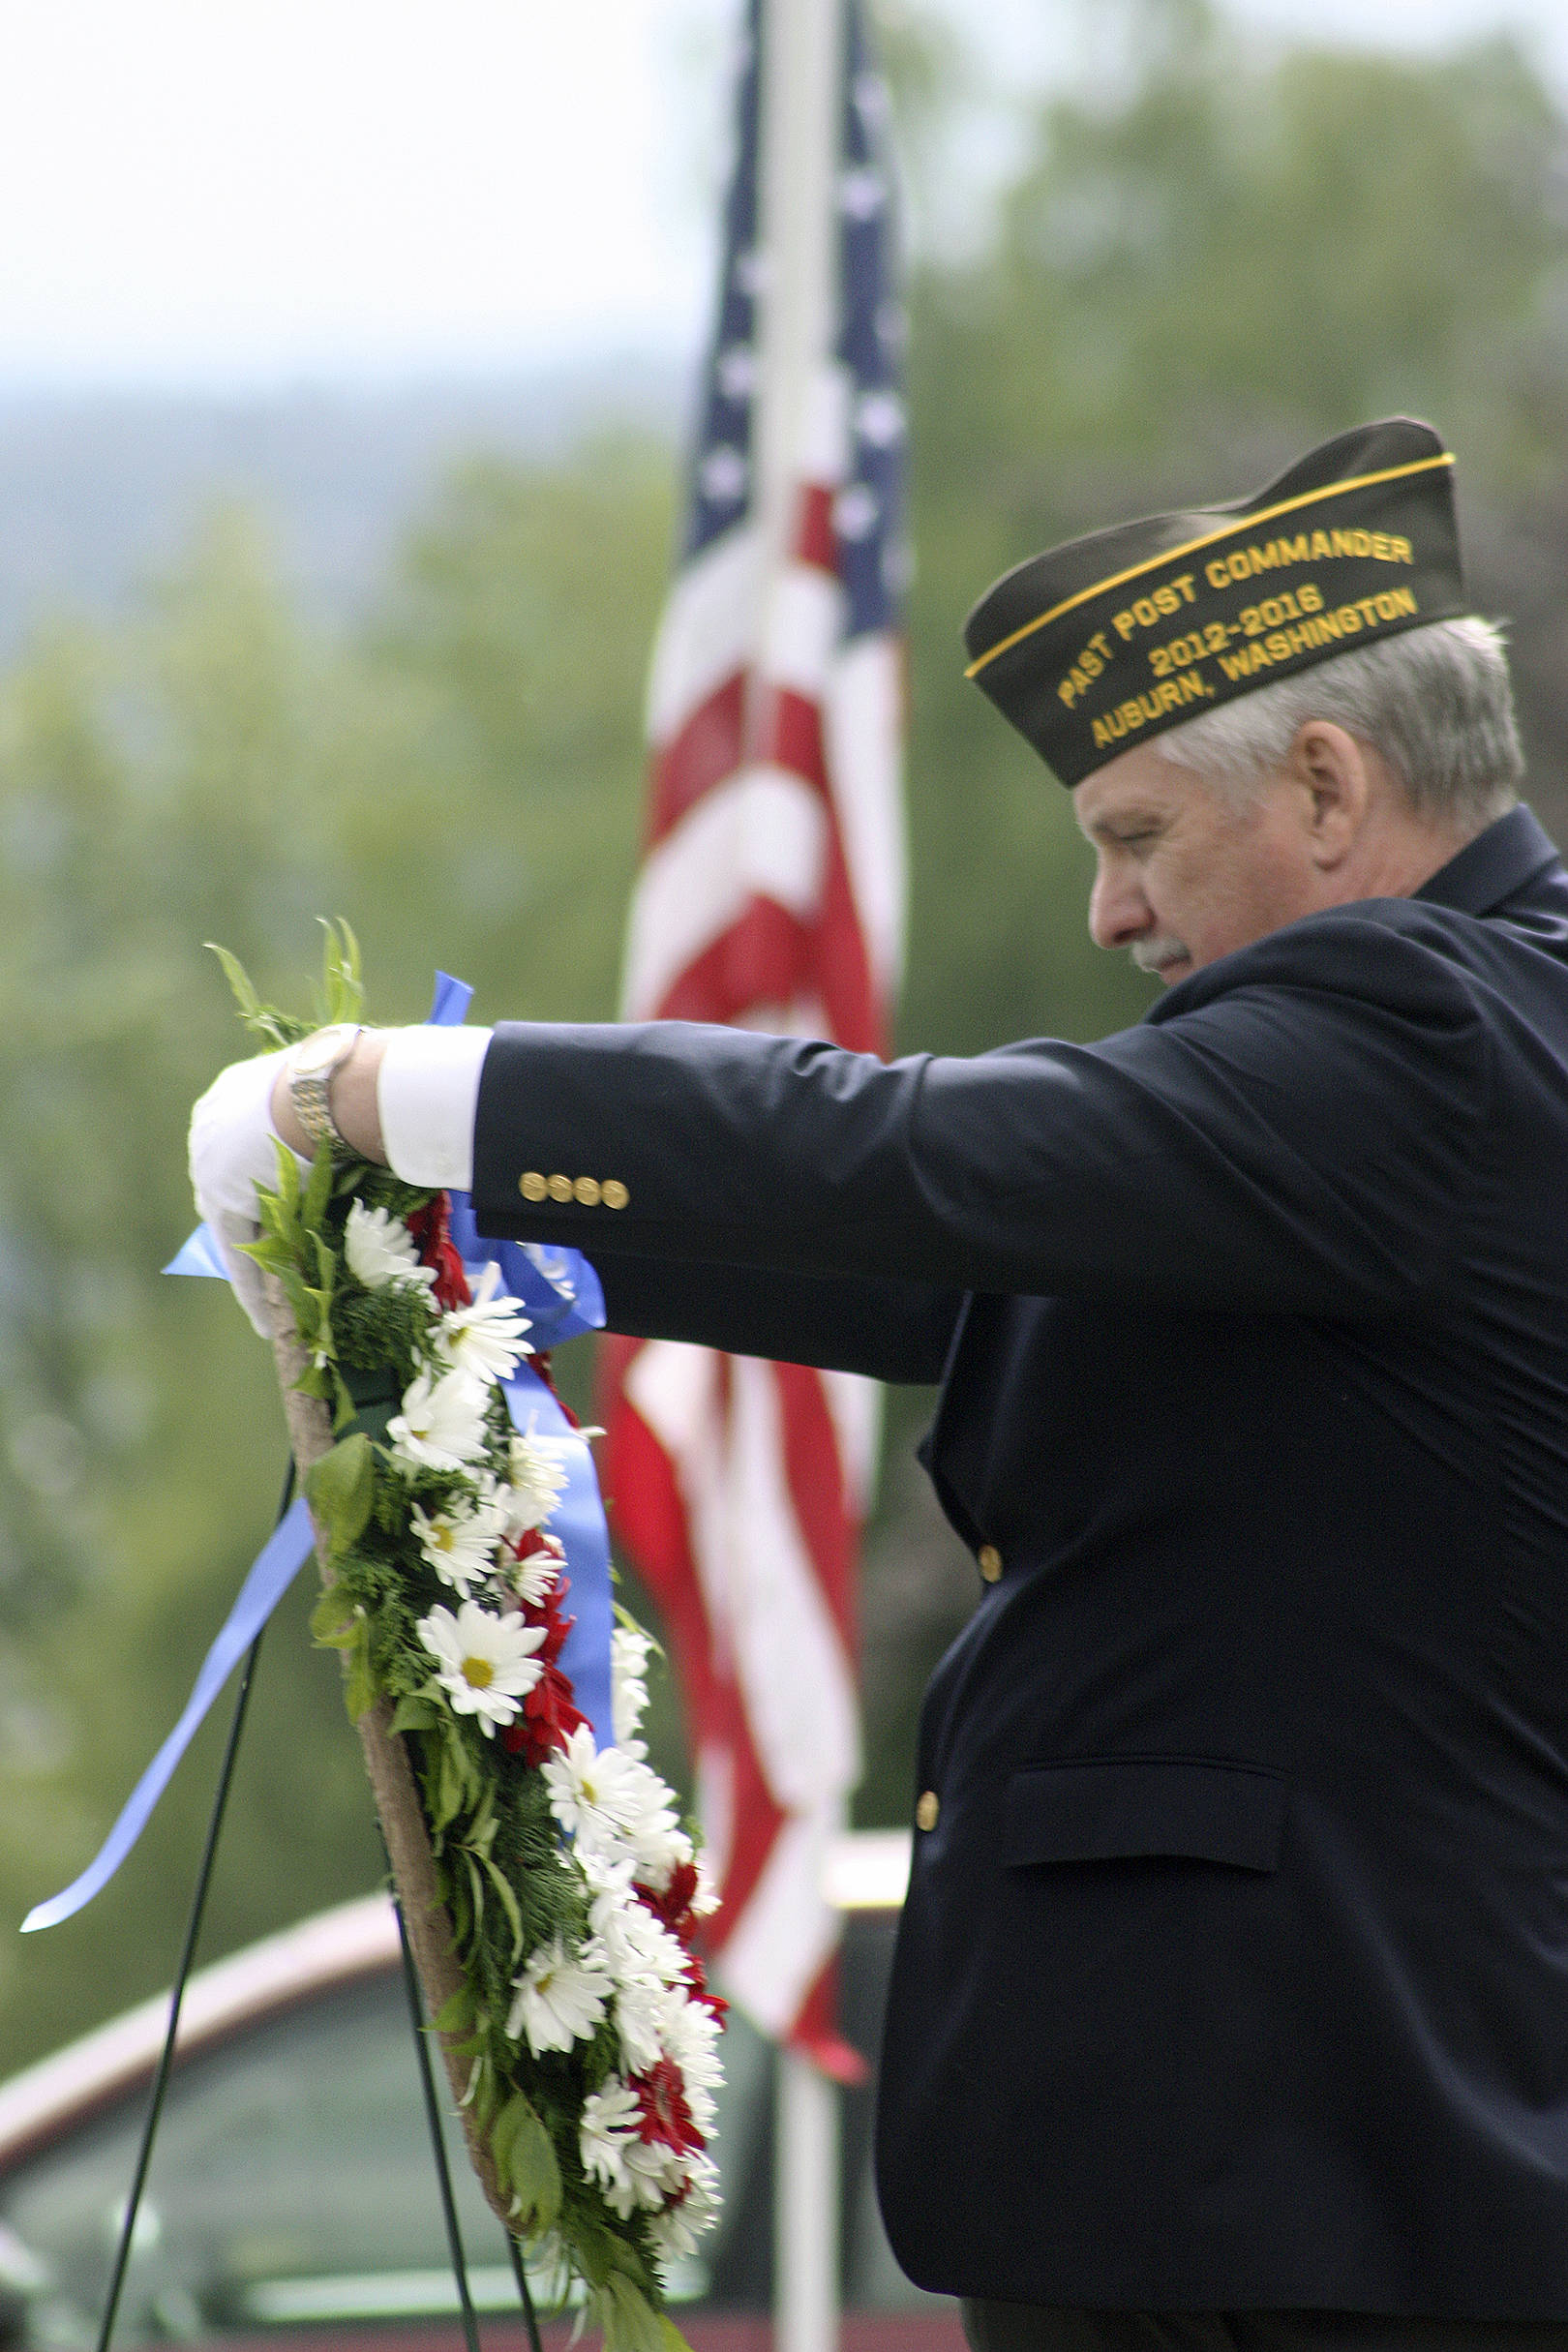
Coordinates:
355 1110
232 1147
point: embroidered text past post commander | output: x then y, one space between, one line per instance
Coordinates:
1232 1985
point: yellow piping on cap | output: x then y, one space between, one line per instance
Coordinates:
1174 555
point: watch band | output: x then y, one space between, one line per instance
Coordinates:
309 1089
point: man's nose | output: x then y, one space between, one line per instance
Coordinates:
1118 911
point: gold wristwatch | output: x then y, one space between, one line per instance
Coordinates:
313 1064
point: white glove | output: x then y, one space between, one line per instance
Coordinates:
233 1150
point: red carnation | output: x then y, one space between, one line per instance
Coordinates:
533 1540
672 1908
717 2007
665 2115
432 1228
549 1718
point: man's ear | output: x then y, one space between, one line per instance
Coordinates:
1331 769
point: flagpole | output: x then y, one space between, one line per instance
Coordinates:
801 96
805 2213
801 75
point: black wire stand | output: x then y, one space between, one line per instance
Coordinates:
416 2014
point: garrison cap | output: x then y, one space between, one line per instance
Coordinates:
1098 644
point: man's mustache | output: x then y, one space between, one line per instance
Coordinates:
1153 955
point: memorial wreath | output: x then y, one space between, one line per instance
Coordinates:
551 1893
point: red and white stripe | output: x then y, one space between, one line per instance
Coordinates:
770 895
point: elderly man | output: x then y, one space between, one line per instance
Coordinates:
1231 2006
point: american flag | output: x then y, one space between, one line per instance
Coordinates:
771 896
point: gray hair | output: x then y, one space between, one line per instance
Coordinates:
1435 701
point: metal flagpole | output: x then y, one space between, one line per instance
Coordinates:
801 96
802 73
805 2208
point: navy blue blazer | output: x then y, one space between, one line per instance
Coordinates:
1234 1970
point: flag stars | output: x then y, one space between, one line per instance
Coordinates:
737 372
863 193
879 419
892 328
871 101
856 512
722 474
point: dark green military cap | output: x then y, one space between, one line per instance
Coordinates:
1102 642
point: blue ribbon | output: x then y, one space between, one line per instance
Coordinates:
277 1564
560 1293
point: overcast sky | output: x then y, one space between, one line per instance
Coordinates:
217 192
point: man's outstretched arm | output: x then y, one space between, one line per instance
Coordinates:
410 1097
1300 1128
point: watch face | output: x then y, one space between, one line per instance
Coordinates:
321 1052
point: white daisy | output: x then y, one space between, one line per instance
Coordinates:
656 2172
705 1901
459 1542
609 1801
486 1664
484 1338
611 2121
675 2229
640 2020
441 1426
690 2033
538 1481
639 1948
629 1648
534 1576
609 1881
648 1966
561 1996
381 1250
659 1842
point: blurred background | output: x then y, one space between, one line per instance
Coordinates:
344 357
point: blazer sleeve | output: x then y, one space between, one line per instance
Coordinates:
891 1331
1297 1128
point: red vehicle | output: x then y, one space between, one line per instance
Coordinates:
291 2204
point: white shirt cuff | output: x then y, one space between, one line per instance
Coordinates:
428 1093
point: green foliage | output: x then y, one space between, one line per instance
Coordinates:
629 2321
340 1488
340 997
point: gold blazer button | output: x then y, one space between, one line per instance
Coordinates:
587 1191
560 1187
990 1563
928 1810
614 1193
531 1185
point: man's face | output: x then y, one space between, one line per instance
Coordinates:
1185 875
